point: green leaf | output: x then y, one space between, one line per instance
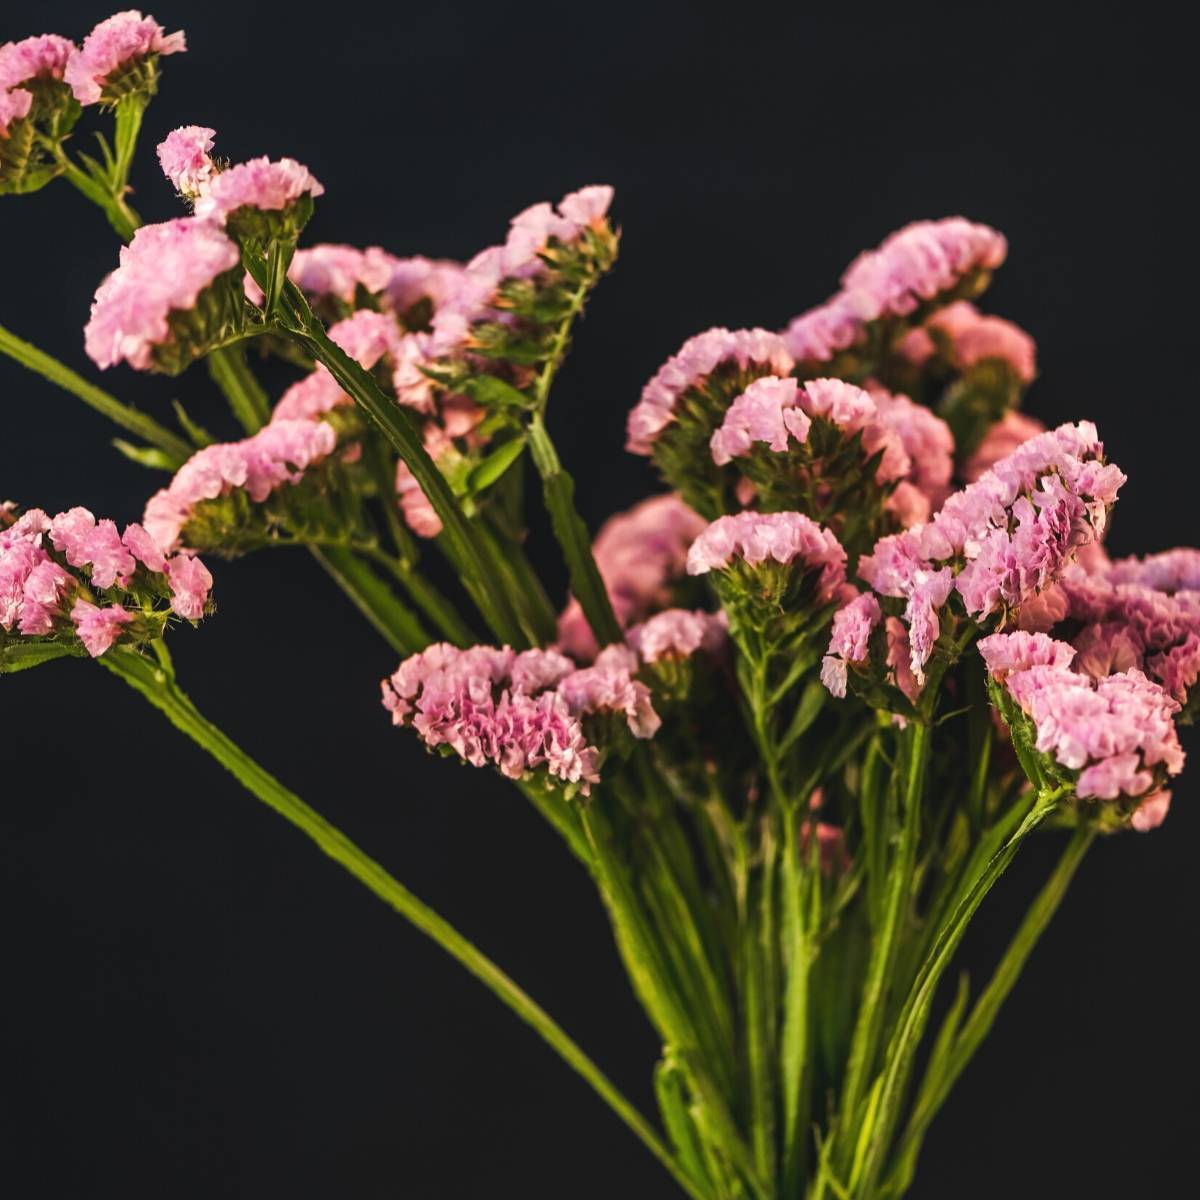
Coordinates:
491 391
488 472
146 456
20 656
196 432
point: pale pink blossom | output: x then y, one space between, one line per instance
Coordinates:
678 633
849 641
784 538
98 628
918 263
588 206
1113 730
45 589
608 686
1006 652
259 183
191 582
278 454
767 411
1011 431
185 156
1152 811
163 270
42 57
697 359
339 270
116 43
14 106
975 337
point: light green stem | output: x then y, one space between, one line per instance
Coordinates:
231 373
911 1022
398 625
160 689
937 1087
124 415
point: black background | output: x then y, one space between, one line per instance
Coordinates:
194 1002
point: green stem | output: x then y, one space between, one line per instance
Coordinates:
231 373
425 596
398 625
558 348
872 1014
572 534
124 415
911 1022
395 425
977 1026
795 1008
160 689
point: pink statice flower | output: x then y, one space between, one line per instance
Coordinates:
784 538
42 597
1002 540
33 58
14 106
417 509
466 700
1152 811
697 359
915 265
924 437
45 589
1115 731
849 642
114 46
162 271
974 338
678 633
278 454
98 628
768 411
641 555
1012 430
185 156
258 184
609 686
339 270
1003 653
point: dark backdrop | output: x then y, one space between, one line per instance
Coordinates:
195 1002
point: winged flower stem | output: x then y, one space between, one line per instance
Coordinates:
485 584
124 415
155 682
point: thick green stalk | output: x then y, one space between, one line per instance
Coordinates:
873 1011
124 415
572 535
795 1009
159 688
910 1024
482 580
937 1086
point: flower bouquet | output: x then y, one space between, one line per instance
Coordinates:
799 712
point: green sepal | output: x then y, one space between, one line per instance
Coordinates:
492 392
492 468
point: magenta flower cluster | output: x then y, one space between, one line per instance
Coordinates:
1003 539
111 47
522 712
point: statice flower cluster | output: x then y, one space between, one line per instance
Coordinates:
1002 540
532 714
1115 734
923 263
967 337
119 58
72 578
176 292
